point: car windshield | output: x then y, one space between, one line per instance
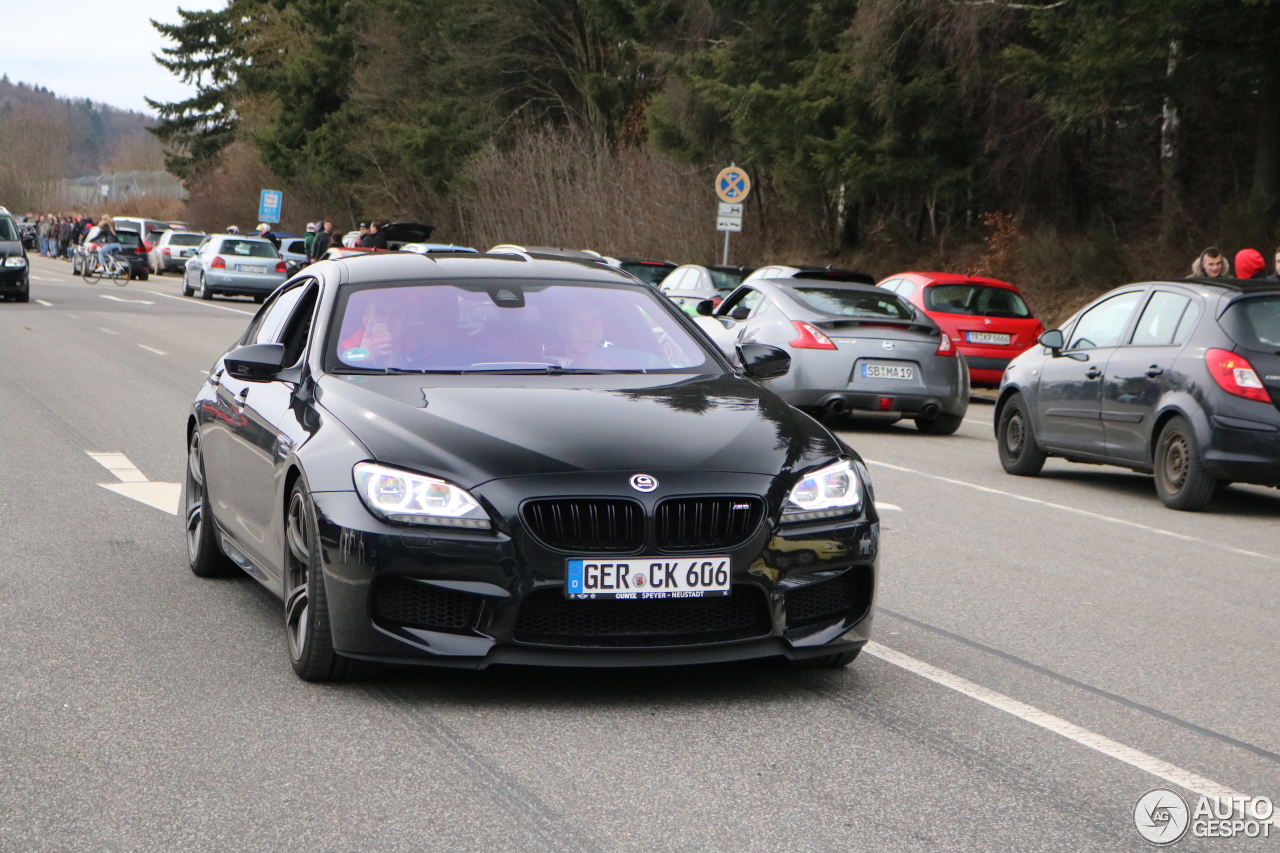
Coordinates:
7 231
510 326
1254 323
976 300
848 302
726 282
248 248
186 239
648 273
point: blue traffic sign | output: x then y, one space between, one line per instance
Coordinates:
733 184
269 206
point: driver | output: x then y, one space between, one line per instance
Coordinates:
580 332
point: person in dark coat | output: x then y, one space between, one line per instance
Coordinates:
324 239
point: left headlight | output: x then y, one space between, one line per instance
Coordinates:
417 499
826 493
15 261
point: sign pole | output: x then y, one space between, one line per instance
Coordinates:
725 260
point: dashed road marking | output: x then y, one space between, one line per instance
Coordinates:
135 485
42 302
153 349
1159 531
882 506
1112 749
119 299
108 331
199 302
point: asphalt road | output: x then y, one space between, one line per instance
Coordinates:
1048 649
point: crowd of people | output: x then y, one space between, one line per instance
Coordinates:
58 234
1249 263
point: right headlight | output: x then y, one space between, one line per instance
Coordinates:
417 499
829 492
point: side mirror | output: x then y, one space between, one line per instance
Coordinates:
761 361
1054 341
705 308
255 363
742 312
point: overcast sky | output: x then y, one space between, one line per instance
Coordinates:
91 49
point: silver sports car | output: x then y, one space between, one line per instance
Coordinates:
854 347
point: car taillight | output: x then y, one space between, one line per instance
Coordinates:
281 267
165 251
810 337
1235 375
218 263
945 347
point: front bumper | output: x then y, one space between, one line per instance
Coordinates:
494 576
13 280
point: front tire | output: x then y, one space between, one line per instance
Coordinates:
203 553
1182 483
1020 454
306 607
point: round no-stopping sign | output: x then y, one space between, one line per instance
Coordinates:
733 184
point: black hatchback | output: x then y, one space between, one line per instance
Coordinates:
1178 379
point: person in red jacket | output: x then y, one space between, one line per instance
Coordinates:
1250 264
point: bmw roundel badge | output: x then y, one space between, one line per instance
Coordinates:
644 483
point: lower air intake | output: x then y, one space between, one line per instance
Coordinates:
848 595
401 601
547 618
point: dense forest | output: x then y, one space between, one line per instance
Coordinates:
1080 141
44 138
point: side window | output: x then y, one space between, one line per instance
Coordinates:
906 288
1104 324
740 305
1187 324
265 328
891 285
298 329
1160 319
675 280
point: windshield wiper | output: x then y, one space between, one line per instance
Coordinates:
549 370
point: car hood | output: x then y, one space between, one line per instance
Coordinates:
10 247
496 427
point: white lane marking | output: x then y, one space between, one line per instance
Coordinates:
198 302
202 372
1182 537
108 331
153 349
1113 749
970 420
40 278
42 302
118 299
882 506
135 485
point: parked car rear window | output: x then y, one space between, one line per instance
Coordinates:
976 300
510 326
726 282
848 302
248 248
648 273
186 239
1254 323
129 238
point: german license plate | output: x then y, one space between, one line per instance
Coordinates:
888 371
647 577
987 338
250 268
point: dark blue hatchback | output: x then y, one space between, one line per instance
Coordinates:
1177 379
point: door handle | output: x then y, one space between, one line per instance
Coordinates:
1093 373
1154 370
242 398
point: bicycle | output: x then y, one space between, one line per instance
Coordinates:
91 269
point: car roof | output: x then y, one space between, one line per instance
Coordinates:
792 283
654 262
1237 285
392 266
955 278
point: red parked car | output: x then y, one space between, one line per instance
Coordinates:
986 318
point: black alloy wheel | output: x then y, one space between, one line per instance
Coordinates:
1182 482
306 607
206 292
203 553
939 424
1016 440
